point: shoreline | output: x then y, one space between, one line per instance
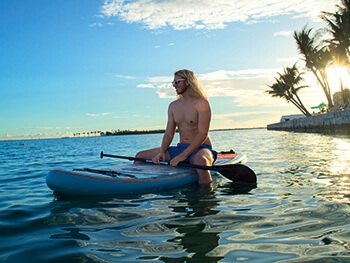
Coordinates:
332 123
118 133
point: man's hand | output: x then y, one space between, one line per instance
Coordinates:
177 159
158 158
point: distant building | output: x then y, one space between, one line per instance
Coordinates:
291 117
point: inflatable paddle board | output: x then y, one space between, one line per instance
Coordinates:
129 179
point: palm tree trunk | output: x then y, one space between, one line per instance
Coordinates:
325 86
302 109
306 112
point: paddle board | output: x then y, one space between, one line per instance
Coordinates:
128 179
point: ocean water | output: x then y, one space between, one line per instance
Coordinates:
298 212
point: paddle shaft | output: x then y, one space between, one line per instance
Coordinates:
128 158
188 165
234 172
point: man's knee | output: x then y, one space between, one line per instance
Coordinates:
139 154
203 157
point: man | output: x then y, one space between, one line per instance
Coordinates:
191 115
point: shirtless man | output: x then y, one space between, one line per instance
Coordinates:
190 114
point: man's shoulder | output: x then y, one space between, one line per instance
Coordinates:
202 101
177 101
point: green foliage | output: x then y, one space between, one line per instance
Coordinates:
128 132
341 97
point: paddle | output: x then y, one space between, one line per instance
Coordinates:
234 172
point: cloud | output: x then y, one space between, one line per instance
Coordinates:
283 33
247 88
146 86
123 76
98 114
243 119
209 14
120 76
228 83
95 25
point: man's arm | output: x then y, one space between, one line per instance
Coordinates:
167 137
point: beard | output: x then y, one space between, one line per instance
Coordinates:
181 91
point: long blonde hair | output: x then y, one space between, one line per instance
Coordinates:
195 88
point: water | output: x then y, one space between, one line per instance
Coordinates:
299 211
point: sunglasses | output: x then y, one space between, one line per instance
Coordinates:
177 81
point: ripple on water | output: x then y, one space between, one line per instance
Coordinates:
298 211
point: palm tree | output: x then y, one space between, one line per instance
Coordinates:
286 87
316 57
339 27
339 44
292 77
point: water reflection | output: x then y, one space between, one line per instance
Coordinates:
199 230
196 242
185 228
340 164
73 233
191 230
231 188
307 160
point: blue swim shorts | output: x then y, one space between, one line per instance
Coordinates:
176 150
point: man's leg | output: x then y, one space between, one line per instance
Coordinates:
203 157
147 154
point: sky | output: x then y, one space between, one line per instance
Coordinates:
79 66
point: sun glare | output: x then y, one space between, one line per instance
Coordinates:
314 95
335 74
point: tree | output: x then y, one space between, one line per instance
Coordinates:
338 97
316 57
286 87
319 54
339 29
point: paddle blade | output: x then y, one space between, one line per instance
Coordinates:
237 173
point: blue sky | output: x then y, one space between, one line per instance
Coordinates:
80 66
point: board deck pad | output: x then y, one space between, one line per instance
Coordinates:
150 170
227 155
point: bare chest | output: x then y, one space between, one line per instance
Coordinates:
185 114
